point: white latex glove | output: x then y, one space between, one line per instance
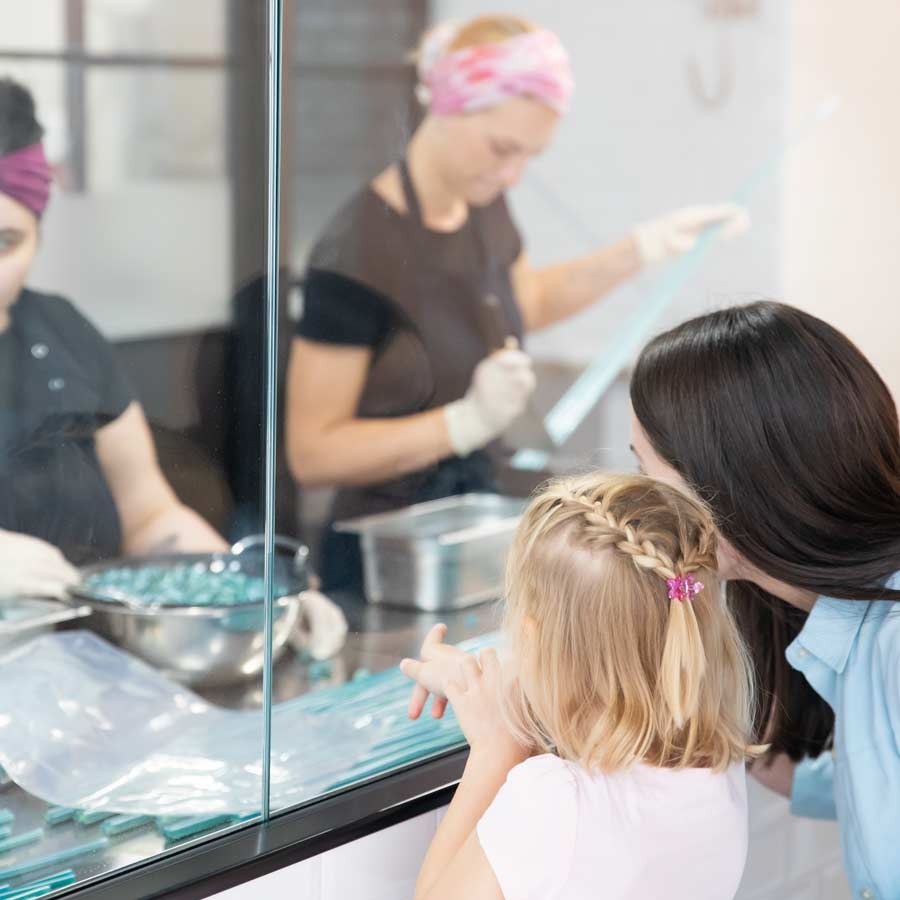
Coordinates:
677 232
321 629
32 567
498 394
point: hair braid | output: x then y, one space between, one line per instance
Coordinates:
603 529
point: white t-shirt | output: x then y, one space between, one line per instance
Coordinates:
556 831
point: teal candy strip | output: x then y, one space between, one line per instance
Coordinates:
39 887
21 840
32 893
56 815
188 826
52 859
121 824
92 818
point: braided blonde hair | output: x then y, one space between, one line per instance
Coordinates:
610 670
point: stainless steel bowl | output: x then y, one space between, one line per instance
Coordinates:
209 645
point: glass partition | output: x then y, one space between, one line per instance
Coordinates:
133 371
420 241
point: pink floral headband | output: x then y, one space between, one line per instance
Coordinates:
533 64
684 587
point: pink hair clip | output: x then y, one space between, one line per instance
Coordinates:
684 587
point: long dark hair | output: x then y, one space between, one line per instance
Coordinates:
779 422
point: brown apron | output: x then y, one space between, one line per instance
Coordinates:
454 305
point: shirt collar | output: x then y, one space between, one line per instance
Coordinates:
831 630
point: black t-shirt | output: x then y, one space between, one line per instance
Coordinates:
66 384
340 310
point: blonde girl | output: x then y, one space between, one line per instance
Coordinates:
607 760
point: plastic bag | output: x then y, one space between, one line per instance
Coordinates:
86 725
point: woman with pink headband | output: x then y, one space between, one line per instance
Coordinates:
406 367
79 478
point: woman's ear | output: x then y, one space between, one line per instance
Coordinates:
731 565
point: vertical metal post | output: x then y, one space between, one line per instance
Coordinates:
273 141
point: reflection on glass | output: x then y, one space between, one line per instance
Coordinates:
131 630
46 81
156 27
43 28
410 386
155 125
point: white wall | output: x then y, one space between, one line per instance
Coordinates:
143 258
637 143
842 193
789 858
382 866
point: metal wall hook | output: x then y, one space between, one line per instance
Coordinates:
716 94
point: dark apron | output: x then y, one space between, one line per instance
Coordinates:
457 318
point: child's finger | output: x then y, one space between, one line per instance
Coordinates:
411 668
417 701
434 638
438 707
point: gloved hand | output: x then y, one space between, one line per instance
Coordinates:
321 629
32 567
677 232
497 395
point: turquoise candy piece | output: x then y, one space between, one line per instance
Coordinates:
192 584
21 840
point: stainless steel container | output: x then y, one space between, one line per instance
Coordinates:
24 618
201 646
444 554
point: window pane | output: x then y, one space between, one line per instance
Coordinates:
156 27
151 124
32 26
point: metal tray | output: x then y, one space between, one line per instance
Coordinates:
444 554
22 618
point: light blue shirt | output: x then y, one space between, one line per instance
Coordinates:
849 651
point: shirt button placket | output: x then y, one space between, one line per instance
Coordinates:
867 894
42 351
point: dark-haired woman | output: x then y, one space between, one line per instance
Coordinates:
79 478
780 423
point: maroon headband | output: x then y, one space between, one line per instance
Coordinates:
25 176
